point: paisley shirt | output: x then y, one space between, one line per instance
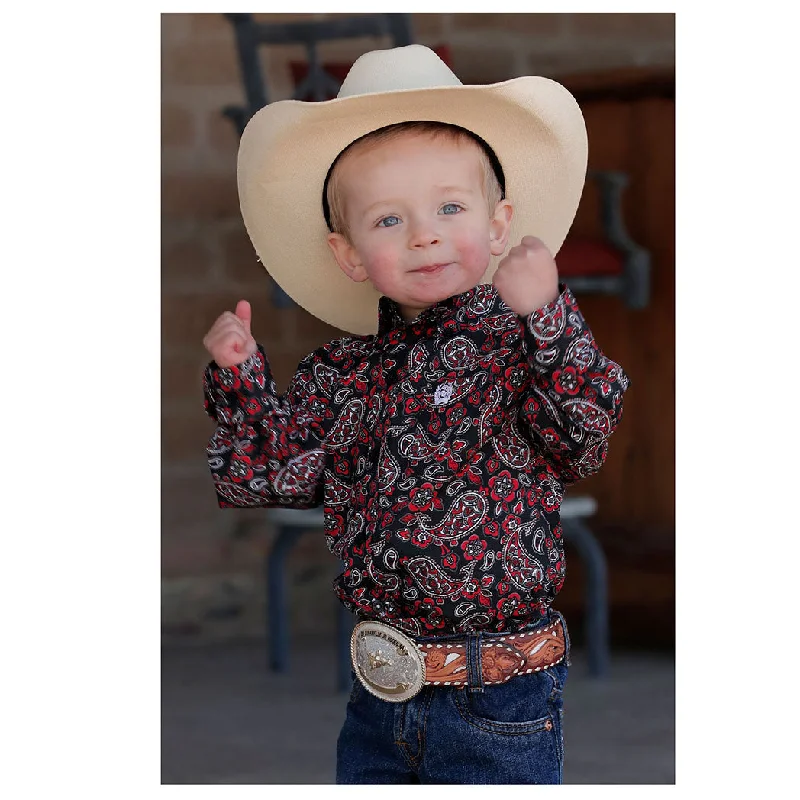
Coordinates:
440 450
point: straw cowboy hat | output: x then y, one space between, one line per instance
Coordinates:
533 124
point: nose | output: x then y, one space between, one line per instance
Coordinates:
423 234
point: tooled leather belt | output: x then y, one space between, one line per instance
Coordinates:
393 667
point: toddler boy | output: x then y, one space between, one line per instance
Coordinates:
439 436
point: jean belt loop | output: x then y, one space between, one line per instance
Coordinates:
474 663
567 643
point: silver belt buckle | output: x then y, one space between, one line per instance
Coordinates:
387 662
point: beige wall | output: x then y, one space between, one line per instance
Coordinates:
208 264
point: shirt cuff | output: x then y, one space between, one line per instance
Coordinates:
551 330
229 390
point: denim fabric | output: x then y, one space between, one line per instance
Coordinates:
509 733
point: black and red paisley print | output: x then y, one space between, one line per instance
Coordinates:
440 450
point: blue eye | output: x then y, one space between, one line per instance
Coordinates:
389 222
450 208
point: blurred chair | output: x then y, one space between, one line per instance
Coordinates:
317 82
615 265
291 524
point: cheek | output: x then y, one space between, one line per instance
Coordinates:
381 260
473 247
384 256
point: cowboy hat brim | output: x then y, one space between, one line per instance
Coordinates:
533 124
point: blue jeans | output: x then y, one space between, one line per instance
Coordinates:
508 733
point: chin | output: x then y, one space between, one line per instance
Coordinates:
431 299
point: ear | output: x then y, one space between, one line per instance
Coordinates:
500 227
347 257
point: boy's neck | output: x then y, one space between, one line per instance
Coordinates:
411 315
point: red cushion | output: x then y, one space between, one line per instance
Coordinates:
339 70
586 257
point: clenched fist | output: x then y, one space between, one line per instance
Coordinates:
229 341
527 278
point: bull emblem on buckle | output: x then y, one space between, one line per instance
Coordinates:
386 662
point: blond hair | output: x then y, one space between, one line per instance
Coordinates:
334 202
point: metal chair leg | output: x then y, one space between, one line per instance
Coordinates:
277 619
594 559
344 628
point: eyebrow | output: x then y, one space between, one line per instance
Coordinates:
393 201
451 189
370 209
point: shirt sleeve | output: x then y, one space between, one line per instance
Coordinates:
575 399
267 449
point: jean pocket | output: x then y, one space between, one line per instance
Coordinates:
519 706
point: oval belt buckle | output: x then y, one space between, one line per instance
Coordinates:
386 661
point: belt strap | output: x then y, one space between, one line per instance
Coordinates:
502 658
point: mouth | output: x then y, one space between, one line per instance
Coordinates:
432 268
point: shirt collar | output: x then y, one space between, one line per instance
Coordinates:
390 318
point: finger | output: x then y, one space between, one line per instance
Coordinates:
244 312
230 340
225 328
223 321
230 322
236 339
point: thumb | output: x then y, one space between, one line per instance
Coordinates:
244 312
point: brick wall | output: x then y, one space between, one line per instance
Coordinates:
211 559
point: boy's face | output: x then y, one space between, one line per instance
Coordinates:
418 221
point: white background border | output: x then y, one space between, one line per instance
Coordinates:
81 392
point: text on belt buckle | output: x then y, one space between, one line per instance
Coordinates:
386 661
